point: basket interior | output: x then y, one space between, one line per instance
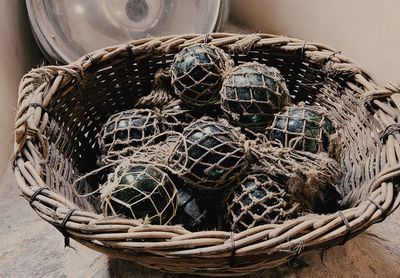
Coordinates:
77 115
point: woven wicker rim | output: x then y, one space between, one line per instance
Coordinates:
211 252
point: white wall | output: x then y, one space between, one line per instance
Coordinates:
18 53
368 31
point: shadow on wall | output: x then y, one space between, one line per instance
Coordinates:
18 53
367 31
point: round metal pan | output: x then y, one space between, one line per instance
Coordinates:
67 29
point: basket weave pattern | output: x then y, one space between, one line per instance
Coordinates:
61 110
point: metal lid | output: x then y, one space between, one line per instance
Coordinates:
68 29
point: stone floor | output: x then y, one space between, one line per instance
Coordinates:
29 247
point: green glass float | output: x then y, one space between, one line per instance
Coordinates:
260 199
252 93
304 128
125 132
209 155
196 211
131 128
196 73
142 192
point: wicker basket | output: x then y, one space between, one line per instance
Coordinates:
61 108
